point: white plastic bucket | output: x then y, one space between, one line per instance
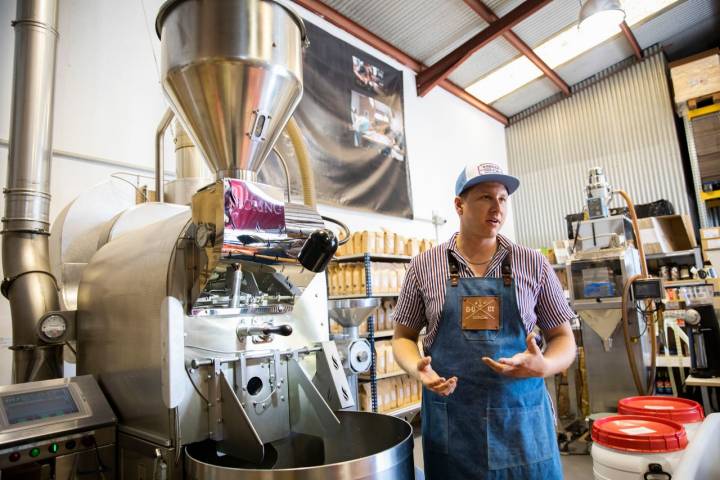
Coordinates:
686 412
701 460
626 447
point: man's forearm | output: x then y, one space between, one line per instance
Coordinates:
407 355
560 353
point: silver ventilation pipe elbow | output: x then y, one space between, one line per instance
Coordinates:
28 283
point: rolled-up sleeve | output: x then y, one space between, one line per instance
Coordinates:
552 308
410 308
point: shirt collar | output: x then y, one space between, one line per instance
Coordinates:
504 247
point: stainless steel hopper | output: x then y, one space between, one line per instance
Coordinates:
351 313
232 71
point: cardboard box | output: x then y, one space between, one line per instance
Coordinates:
696 76
710 244
649 238
561 250
669 233
713 232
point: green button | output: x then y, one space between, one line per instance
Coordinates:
34 452
53 448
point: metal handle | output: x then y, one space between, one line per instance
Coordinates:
284 330
264 330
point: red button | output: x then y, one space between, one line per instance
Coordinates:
15 456
88 441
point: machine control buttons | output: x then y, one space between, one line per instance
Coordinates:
53 448
15 456
35 452
70 445
88 441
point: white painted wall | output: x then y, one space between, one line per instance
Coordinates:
108 103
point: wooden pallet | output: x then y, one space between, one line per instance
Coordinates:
704 101
701 106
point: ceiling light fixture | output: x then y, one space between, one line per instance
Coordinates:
600 16
560 49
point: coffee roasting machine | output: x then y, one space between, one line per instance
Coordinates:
204 326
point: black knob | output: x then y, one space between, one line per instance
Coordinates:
318 250
284 330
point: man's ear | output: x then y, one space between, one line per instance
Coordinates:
459 205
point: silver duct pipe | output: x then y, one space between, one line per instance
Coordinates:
28 283
160 154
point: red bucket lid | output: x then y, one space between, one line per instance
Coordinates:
670 408
635 433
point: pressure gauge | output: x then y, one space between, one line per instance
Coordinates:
53 328
204 235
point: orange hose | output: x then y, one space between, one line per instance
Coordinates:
626 334
626 292
636 230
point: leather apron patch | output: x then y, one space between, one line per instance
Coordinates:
481 313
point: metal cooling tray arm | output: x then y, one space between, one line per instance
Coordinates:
309 413
239 436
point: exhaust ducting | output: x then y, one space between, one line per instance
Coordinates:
28 283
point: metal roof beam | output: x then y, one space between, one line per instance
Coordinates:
630 36
435 74
489 16
361 33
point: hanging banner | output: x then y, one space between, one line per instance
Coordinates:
351 116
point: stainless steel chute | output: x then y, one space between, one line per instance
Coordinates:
232 70
351 312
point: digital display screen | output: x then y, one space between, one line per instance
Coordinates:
647 289
30 406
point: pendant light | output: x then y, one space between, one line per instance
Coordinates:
600 15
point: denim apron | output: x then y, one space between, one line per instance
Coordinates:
492 426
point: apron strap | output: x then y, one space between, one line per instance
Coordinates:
454 269
507 270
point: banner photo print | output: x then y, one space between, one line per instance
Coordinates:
351 117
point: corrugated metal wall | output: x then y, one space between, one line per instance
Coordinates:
623 123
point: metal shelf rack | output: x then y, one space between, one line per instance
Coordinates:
406 412
367 259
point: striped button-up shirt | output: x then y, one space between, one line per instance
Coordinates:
540 297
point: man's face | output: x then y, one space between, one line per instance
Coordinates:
482 209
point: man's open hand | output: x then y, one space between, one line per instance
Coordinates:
432 381
530 363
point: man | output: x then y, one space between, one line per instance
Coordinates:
486 413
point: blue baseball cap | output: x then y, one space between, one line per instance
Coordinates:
485 172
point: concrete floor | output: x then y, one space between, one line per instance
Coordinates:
575 467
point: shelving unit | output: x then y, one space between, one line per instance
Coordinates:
349 297
367 259
381 334
695 252
684 283
406 412
380 376
376 257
